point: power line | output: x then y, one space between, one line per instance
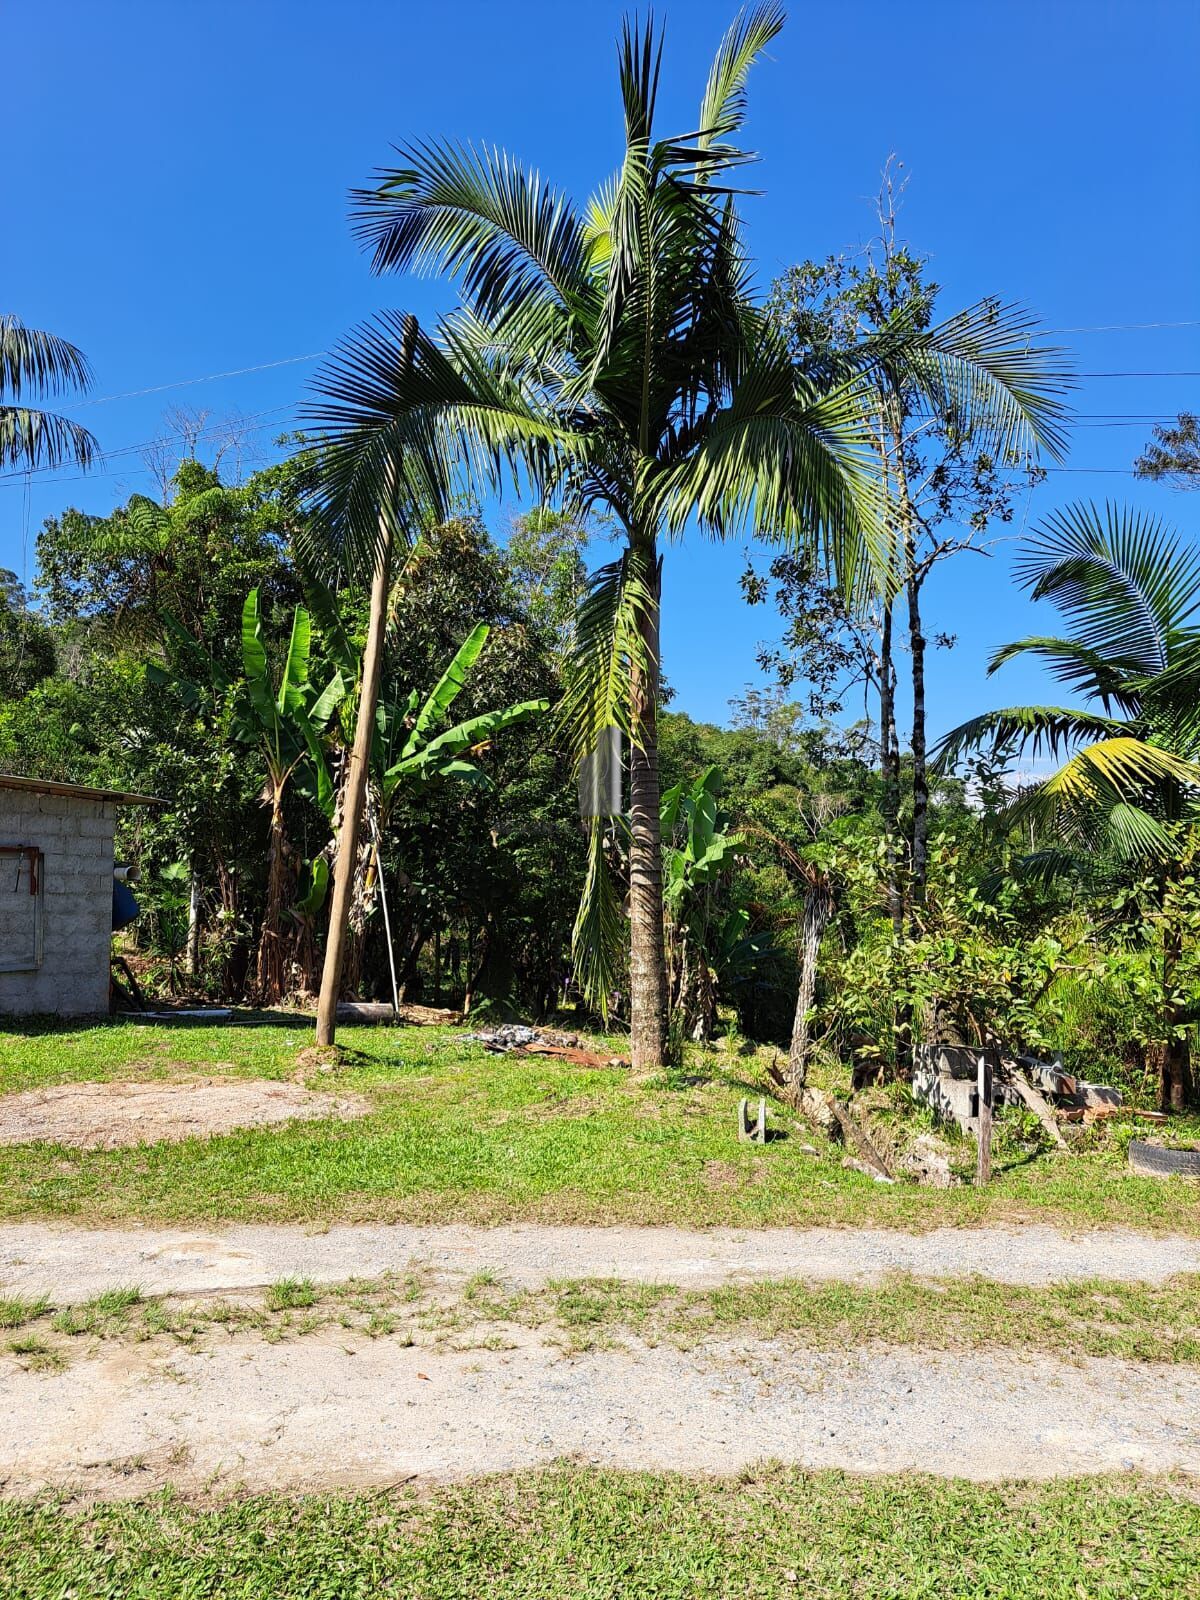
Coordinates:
1123 327
315 355
210 377
147 444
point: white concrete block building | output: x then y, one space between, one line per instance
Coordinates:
56 891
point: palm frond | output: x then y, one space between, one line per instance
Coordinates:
477 216
790 462
1122 767
599 932
723 109
609 643
43 439
987 370
1078 666
398 434
1121 578
37 361
1039 729
1092 819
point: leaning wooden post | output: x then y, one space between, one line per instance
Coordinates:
354 793
983 1126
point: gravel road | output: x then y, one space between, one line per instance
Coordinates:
72 1264
351 1412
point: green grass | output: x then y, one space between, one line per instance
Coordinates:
573 1534
32 1351
106 1313
458 1135
1134 1322
17 1310
290 1294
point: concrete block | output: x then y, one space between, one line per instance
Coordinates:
52 805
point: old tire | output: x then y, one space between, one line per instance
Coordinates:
1153 1161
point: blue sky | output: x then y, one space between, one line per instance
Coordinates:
174 199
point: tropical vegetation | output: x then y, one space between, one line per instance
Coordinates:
807 877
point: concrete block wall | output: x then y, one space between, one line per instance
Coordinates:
76 839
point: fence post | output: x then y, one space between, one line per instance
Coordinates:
983 1134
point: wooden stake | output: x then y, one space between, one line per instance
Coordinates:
983 1161
360 759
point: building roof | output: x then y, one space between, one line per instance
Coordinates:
75 791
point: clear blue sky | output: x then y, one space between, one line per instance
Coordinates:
174 198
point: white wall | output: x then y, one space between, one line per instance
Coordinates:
76 839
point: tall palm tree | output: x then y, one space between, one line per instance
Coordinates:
32 362
620 358
1128 792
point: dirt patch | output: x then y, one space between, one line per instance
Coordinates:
722 1175
107 1116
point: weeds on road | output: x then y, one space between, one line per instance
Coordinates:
1134 1322
16 1310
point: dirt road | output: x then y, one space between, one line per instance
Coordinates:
321 1412
72 1264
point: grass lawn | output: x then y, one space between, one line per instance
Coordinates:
592 1535
459 1135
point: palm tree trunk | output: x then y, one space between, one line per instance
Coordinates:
889 747
355 791
647 957
918 869
818 908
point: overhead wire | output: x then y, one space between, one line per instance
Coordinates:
1083 419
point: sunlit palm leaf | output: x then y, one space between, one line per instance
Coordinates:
40 362
723 109
609 641
1121 577
479 217
599 931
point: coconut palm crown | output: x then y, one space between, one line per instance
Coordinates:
618 358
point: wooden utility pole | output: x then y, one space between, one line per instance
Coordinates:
355 790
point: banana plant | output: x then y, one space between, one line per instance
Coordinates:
286 724
412 748
706 850
705 943
410 734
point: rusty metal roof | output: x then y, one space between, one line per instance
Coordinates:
75 791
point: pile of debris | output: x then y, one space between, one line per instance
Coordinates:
514 1038
946 1078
